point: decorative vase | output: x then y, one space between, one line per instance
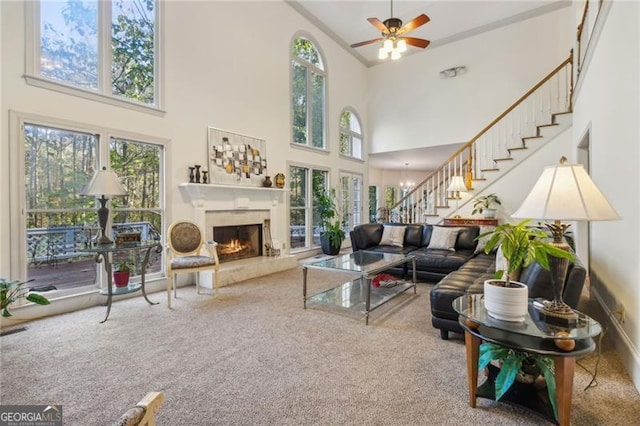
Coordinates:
280 180
121 278
506 303
191 175
267 182
198 173
205 179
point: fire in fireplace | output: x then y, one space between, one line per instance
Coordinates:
238 241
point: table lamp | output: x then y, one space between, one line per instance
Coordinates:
563 192
104 183
457 186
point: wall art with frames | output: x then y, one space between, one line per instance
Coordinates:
235 159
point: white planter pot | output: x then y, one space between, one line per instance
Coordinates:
489 213
506 303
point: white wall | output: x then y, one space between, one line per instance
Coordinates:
411 106
608 103
226 65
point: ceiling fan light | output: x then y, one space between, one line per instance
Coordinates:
382 54
395 54
388 45
401 45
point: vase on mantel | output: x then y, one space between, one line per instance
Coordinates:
267 182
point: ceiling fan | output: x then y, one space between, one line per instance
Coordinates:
394 40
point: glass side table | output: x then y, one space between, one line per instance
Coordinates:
532 335
102 254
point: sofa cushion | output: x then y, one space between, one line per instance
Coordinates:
467 238
366 235
392 235
440 261
443 238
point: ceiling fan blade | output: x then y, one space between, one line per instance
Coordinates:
414 23
416 42
364 43
378 24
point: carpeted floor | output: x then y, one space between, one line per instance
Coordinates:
253 356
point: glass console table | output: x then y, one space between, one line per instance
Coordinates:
102 254
534 336
359 295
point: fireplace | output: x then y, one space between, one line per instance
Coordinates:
238 241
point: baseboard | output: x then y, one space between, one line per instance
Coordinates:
628 354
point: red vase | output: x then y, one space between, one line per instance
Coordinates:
121 279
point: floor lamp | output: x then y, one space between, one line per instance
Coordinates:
563 192
457 186
104 183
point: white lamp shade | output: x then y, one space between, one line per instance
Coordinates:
104 182
566 192
457 184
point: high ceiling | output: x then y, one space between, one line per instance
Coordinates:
346 22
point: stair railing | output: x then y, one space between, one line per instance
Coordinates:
495 143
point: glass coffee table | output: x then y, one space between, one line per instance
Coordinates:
534 336
359 295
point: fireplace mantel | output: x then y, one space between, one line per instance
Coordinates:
198 192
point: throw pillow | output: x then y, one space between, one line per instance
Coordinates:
392 236
444 238
484 240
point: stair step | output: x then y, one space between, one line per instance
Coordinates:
524 138
479 179
443 207
490 170
503 159
517 148
431 215
548 125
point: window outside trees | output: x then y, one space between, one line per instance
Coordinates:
350 135
351 200
58 164
70 48
303 222
308 95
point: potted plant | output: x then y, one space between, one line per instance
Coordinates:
10 291
328 216
121 272
486 204
505 298
522 366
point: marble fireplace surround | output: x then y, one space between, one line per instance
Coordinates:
223 205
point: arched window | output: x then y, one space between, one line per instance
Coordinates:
350 135
308 94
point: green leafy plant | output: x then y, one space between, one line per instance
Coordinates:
329 217
521 245
10 291
485 202
518 362
122 266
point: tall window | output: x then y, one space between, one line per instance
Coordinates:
303 222
307 94
105 47
373 204
351 199
350 135
58 163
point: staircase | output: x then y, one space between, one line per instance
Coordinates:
534 120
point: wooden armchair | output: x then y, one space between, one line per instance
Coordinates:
144 413
185 246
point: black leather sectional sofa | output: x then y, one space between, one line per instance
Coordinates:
458 272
